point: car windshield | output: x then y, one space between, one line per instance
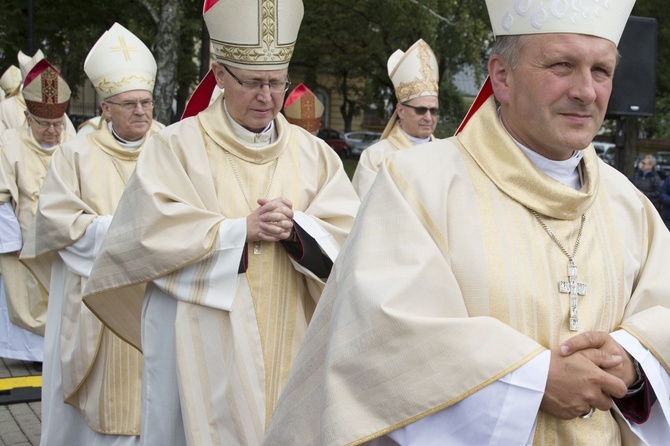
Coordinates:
663 157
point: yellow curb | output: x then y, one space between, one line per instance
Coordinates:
21 381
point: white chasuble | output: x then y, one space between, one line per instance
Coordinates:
192 177
448 283
372 158
24 165
100 374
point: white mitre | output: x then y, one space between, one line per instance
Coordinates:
414 73
258 35
26 63
120 62
10 81
600 18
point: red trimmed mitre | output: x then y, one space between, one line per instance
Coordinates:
304 109
46 93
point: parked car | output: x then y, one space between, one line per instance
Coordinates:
606 151
359 141
663 163
336 140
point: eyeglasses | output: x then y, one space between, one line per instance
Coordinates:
420 111
256 85
45 125
146 104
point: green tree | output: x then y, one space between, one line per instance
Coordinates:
658 126
65 31
352 40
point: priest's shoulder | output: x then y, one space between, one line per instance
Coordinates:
80 143
616 184
437 153
8 136
302 135
185 128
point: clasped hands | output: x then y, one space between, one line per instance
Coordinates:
585 372
272 221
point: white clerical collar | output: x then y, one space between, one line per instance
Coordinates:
130 146
267 136
414 139
564 171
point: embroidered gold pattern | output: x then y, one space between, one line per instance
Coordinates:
107 86
417 86
268 50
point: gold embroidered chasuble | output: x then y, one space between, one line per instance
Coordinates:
448 282
184 187
101 372
24 165
372 158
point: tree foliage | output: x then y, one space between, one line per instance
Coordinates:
65 30
658 126
348 39
353 40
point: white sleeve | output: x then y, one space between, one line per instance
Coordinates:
220 267
656 430
79 256
323 238
10 230
502 413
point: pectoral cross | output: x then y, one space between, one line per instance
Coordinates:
575 289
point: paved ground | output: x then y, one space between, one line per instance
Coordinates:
20 422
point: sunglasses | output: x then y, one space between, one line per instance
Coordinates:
420 111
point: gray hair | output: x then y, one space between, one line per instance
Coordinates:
509 47
651 159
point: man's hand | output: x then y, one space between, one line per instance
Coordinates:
272 221
598 343
576 382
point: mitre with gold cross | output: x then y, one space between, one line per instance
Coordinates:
119 62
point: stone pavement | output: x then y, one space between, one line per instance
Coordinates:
19 423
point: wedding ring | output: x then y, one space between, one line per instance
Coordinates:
586 416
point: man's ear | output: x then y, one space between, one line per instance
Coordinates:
498 72
105 110
218 73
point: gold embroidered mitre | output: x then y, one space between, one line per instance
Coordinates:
304 109
599 18
253 35
414 73
120 62
46 93
10 81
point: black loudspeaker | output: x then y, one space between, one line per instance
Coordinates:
634 83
